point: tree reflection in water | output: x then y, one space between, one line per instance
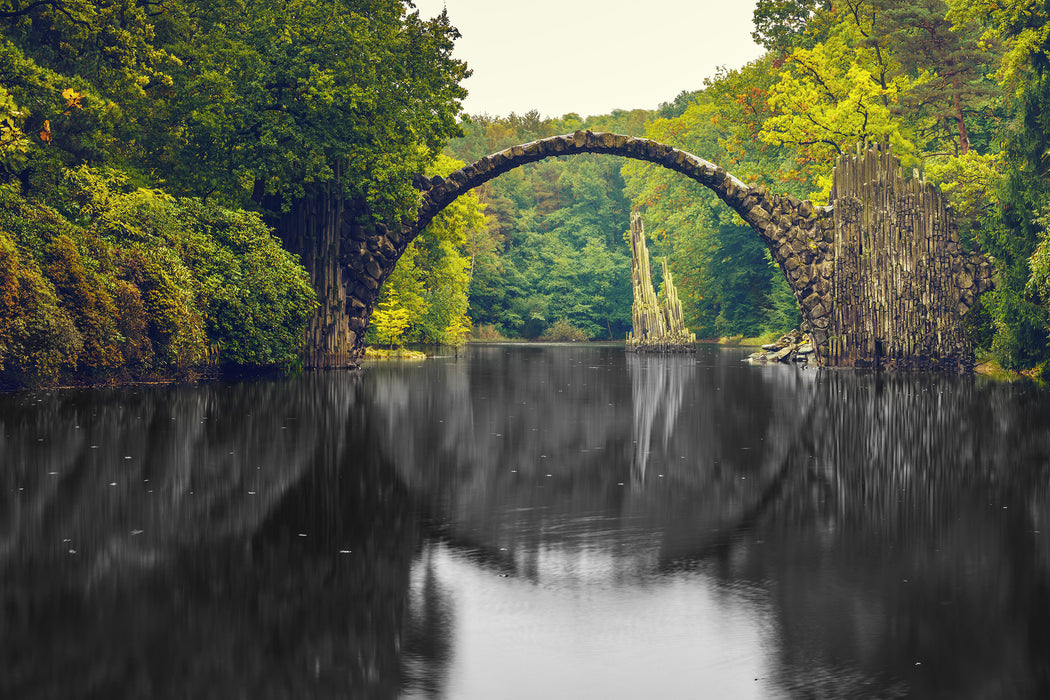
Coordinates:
328 536
895 524
209 542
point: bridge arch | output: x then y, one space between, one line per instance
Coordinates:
798 234
880 276
761 210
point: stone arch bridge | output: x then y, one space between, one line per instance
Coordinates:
879 274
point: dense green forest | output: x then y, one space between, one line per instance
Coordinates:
147 147
146 150
958 88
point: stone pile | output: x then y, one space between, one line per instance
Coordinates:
795 346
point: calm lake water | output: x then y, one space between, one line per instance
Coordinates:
529 522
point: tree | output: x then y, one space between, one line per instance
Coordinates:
723 272
390 319
1014 229
432 278
780 24
842 91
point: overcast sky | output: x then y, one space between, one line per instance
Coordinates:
588 57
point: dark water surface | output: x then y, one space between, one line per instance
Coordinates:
529 522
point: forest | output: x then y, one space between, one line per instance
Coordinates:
147 150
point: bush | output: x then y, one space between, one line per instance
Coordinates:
563 332
37 337
488 333
83 294
139 281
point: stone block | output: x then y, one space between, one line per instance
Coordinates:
560 144
811 301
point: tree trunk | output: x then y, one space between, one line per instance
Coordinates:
964 136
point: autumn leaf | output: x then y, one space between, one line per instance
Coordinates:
72 98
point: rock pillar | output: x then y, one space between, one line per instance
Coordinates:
657 327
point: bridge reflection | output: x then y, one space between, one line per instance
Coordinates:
895 523
889 533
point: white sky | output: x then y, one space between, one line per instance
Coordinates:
590 57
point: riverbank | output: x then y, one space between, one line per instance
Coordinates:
993 370
393 354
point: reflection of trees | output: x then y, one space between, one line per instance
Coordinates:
427 653
905 546
536 446
898 522
173 465
218 595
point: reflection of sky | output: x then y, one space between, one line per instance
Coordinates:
576 637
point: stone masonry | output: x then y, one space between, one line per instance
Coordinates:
802 239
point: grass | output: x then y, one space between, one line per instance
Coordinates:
987 366
372 353
764 339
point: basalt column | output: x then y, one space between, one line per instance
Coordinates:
656 328
313 229
347 256
901 282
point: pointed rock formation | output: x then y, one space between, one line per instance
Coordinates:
657 327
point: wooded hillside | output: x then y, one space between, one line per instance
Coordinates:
145 148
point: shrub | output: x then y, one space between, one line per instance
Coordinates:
488 333
563 332
37 337
83 294
141 281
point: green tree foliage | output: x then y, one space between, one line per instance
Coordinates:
240 99
288 96
843 90
425 300
726 279
37 336
136 281
390 318
553 247
1014 225
954 105
780 24
107 109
